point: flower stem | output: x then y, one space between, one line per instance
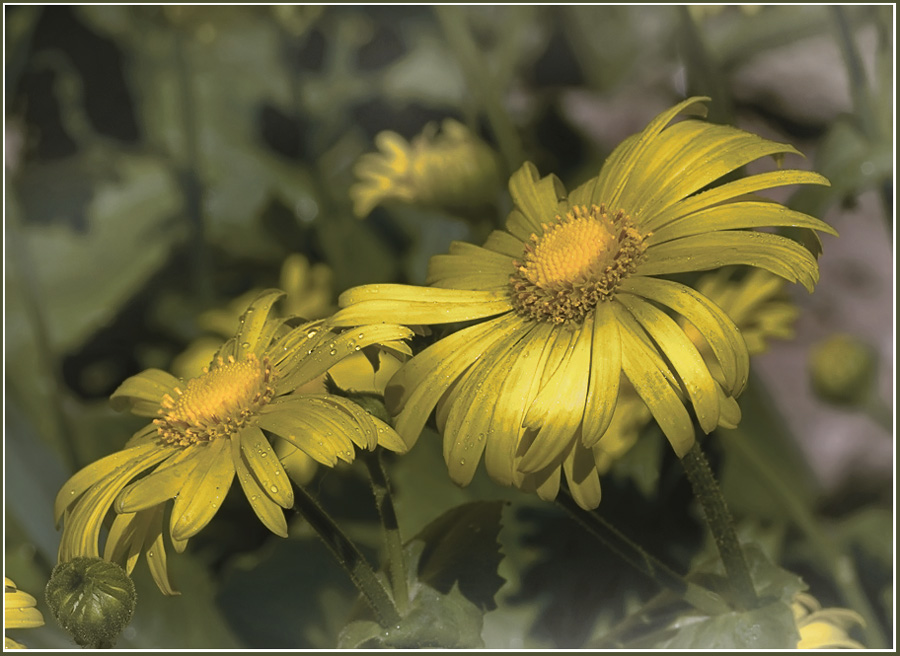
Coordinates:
472 62
349 557
632 553
396 565
718 518
829 556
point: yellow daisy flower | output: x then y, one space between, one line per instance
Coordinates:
453 170
210 428
19 612
569 298
824 628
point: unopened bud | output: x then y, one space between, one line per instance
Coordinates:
92 599
842 369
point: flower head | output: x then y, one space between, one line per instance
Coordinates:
19 612
453 170
218 425
568 302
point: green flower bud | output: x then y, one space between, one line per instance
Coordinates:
842 369
91 598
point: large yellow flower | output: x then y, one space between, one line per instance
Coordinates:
569 298
19 612
215 426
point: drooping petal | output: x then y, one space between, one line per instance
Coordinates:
126 539
143 392
471 408
416 387
780 255
159 486
348 426
561 403
96 471
717 328
269 512
582 476
515 395
644 369
265 466
203 493
308 432
605 374
155 547
82 530
684 356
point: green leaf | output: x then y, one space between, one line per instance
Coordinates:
462 548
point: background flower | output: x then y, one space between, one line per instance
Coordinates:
19 612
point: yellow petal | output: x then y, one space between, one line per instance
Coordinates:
157 559
717 328
256 330
645 371
269 512
143 393
605 374
203 493
581 473
161 485
504 243
515 395
306 432
560 403
404 304
538 200
93 473
684 356
266 467
126 539
780 255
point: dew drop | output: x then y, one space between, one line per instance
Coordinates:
253 498
360 336
150 554
462 461
72 492
332 352
245 345
263 454
214 504
357 347
312 333
273 489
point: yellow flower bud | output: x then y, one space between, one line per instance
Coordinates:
842 369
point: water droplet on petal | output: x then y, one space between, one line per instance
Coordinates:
245 345
332 352
312 333
273 489
462 461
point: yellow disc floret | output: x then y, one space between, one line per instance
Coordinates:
216 403
576 263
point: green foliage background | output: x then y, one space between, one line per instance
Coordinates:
162 160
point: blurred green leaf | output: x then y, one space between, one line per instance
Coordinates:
84 278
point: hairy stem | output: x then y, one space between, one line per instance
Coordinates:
396 564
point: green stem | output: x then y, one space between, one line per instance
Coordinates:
349 557
472 62
830 557
396 560
856 74
718 518
632 553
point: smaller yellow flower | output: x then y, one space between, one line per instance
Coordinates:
842 369
19 612
453 170
218 426
824 628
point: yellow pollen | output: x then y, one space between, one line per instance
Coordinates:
571 251
217 403
574 264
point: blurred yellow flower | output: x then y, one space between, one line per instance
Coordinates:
19 612
824 628
452 170
210 428
569 298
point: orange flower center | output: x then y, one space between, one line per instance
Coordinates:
576 263
217 403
